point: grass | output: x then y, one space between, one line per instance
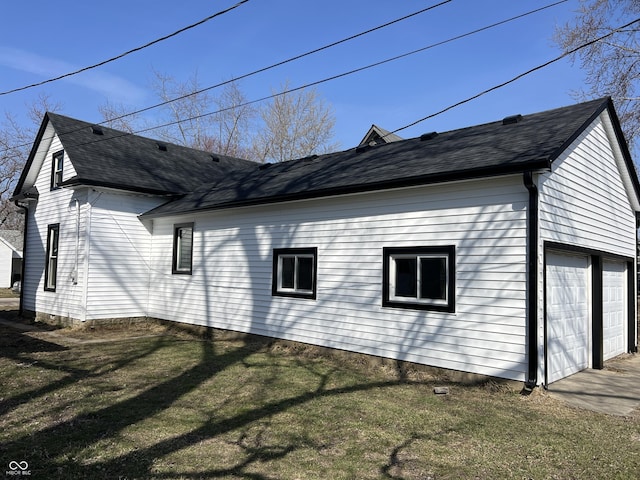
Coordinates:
174 407
8 293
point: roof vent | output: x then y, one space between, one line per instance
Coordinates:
264 166
162 146
428 136
215 158
363 148
95 129
512 119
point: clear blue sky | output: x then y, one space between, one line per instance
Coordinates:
42 39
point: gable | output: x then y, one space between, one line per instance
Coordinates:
110 158
38 171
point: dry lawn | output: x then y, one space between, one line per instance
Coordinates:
92 405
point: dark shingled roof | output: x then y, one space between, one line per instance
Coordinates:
130 162
529 142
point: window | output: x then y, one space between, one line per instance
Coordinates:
419 277
57 165
182 248
51 267
294 272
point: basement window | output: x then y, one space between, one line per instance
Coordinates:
294 272
419 278
182 248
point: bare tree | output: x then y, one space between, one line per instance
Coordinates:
234 119
16 139
296 124
117 116
613 64
190 124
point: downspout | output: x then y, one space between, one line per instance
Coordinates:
532 264
74 275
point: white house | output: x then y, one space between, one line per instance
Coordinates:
10 257
505 249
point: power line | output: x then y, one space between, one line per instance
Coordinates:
283 62
261 70
350 72
128 52
518 77
312 84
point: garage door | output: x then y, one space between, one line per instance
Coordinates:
568 307
614 311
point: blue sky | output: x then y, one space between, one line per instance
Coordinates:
42 39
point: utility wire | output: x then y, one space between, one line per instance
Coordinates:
255 72
518 77
318 82
279 64
128 52
350 72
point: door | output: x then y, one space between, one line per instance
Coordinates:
614 309
567 314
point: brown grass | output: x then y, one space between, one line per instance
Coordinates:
90 404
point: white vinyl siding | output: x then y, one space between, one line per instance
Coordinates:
53 206
232 277
119 247
7 256
103 250
583 201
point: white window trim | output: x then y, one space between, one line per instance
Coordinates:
417 298
389 297
296 253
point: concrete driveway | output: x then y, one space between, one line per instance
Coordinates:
615 390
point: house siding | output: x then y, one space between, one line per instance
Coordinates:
6 265
230 286
583 201
101 240
54 207
119 247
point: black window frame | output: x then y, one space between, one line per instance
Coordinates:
57 169
390 299
277 275
176 261
52 256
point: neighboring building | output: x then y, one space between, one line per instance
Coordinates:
504 249
10 257
379 136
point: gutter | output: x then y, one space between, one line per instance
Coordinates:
532 269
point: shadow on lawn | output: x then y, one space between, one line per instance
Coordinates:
59 460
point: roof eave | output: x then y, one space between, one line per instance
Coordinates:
542 164
78 182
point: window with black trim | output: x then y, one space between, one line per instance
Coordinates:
182 248
51 267
419 277
57 167
294 272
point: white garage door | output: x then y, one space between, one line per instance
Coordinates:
568 319
614 311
